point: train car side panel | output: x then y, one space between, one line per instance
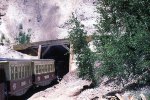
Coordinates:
19 87
44 79
44 71
20 77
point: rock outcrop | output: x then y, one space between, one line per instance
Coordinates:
45 18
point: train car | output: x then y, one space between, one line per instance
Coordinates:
2 82
43 71
18 76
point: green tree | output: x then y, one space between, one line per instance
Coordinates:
23 38
123 39
84 56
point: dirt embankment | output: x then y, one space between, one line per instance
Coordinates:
73 88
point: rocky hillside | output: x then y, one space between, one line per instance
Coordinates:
43 19
46 19
74 88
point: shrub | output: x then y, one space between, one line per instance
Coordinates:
123 39
22 37
84 56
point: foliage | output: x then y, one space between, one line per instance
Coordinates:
84 56
23 38
4 40
123 39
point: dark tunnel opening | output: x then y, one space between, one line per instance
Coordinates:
61 57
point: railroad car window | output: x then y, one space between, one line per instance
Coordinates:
53 68
46 68
37 69
26 71
12 72
21 67
50 68
29 70
19 71
16 72
43 69
22 71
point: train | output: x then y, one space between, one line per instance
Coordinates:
17 76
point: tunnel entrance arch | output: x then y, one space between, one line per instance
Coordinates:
53 49
61 56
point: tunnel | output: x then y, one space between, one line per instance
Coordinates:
51 49
61 56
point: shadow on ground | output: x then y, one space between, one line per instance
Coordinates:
32 91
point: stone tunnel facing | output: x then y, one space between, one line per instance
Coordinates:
61 56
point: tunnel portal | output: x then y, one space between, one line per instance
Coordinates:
61 57
51 49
